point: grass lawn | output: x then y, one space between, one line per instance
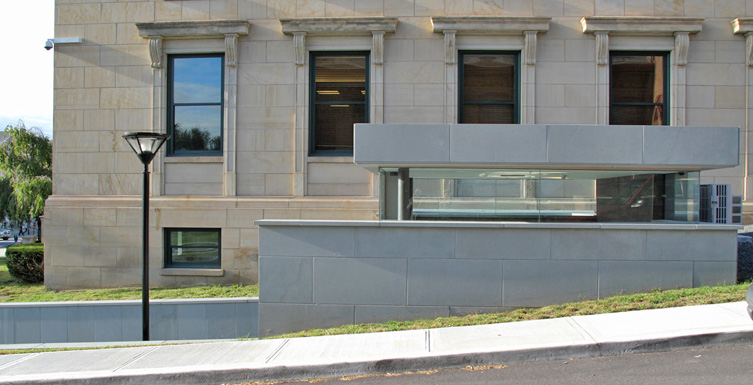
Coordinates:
12 290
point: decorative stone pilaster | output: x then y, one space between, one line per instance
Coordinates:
529 48
528 78
231 50
682 43
299 47
602 48
377 47
744 26
602 77
377 77
450 53
155 51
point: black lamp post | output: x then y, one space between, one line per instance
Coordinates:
145 145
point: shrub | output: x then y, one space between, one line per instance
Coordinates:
744 259
26 262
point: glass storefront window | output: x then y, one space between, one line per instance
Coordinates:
548 195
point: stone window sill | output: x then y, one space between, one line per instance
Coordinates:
194 159
193 272
330 159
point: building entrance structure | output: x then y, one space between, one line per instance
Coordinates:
483 218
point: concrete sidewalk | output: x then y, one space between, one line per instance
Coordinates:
218 362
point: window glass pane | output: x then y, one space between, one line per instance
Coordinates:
638 79
193 248
197 80
489 78
489 113
334 124
341 79
340 95
636 115
194 255
550 195
197 128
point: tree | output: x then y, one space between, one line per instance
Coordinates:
26 166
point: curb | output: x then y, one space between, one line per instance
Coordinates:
205 375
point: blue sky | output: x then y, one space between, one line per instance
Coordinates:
26 68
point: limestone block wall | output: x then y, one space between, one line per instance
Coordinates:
96 242
107 86
318 274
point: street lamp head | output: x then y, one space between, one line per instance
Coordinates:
145 144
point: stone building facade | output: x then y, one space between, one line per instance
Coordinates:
247 75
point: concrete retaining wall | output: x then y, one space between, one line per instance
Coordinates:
95 321
315 274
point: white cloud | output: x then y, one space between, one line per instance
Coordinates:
26 71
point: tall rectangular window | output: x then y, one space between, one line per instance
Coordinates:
639 88
195 104
488 87
192 248
339 99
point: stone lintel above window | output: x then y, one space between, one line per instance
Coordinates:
227 29
333 26
637 26
339 26
744 26
486 25
194 29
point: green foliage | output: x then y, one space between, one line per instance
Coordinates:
26 165
22 292
26 262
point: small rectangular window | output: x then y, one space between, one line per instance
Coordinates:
339 99
195 104
639 88
192 248
488 87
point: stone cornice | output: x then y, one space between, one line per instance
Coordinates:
194 29
653 26
742 25
331 26
495 25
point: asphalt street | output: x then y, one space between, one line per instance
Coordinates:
727 365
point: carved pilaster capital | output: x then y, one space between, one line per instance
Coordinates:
682 43
155 51
450 54
602 48
299 45
231 50
377 49
530 47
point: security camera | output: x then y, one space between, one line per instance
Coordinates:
48 44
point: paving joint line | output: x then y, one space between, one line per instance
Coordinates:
277 351
136 358
18 361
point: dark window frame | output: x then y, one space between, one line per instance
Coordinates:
171 106
313 98
516 83
170 264
667 97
